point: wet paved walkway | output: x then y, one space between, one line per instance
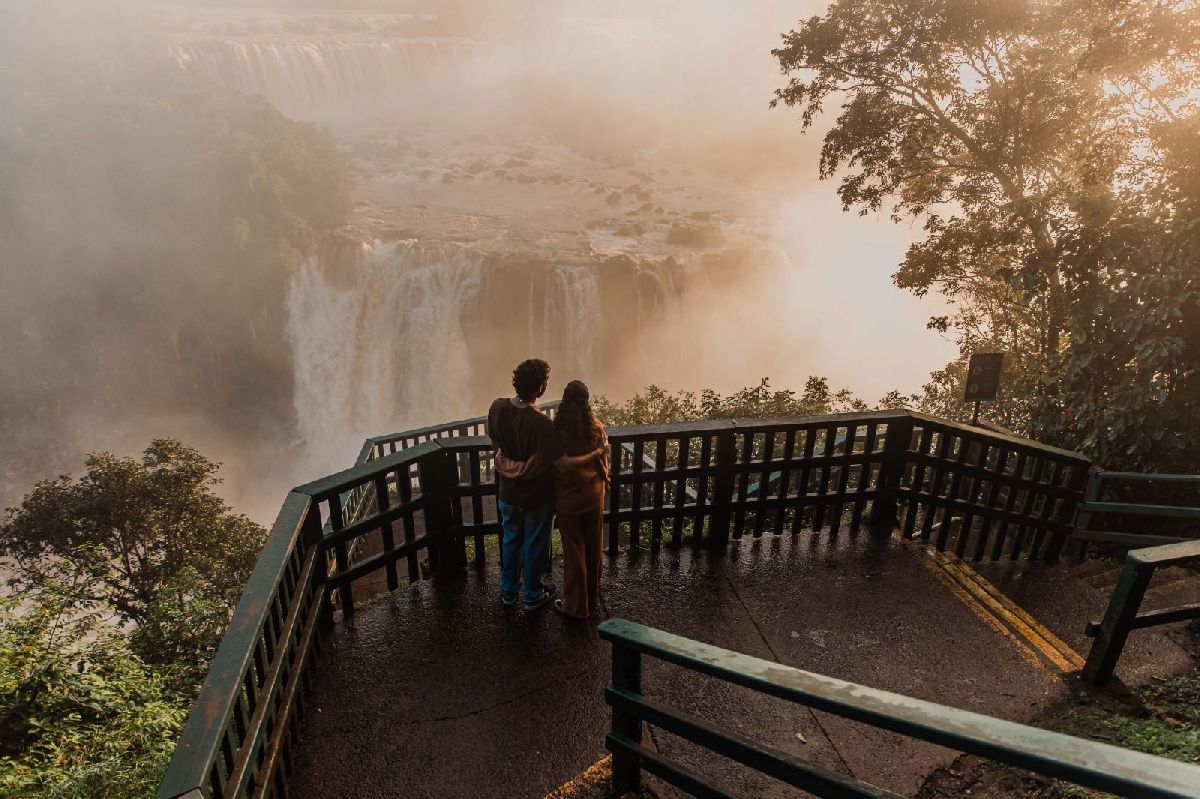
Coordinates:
439 691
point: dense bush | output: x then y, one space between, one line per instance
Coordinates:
81 715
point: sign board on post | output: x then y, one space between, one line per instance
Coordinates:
983 378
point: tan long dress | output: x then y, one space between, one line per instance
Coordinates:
579 503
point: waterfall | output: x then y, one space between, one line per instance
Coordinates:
415 332
298 73
383 348
574 317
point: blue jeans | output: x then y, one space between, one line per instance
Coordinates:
526 539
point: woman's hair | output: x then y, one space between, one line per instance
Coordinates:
530 377
574 420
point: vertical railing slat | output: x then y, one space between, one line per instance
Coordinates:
681 491
660 485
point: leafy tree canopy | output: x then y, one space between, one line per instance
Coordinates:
1047 146
656 405
81 715
147 537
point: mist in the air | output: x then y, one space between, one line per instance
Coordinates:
272 231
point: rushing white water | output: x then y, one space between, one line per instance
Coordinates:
573 312
297 73
383 348
386 345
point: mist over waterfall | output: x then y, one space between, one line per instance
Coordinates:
526 182
189 187
372 347
301 73
403 334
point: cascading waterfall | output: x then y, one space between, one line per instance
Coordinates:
297 73
387 344
573 319
383 348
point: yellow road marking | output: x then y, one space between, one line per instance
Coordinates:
964 596
998 611
1054 648
593 775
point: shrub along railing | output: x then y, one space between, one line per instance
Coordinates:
1087 763
419 499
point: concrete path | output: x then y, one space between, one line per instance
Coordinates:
439 691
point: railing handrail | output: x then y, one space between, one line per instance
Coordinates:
1149 477
1088 763
356 501
202 735
1123 614
1094 503
1134 509
701 425
346 479
1006 437
369 446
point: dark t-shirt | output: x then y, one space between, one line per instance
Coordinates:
522 432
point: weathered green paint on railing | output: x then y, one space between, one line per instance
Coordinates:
246 673
1087 763
1088 533
1123 615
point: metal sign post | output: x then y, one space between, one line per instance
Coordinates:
983 379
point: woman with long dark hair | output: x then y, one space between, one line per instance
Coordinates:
579 500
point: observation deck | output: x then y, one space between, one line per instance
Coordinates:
370 655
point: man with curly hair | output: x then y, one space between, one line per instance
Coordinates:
527 438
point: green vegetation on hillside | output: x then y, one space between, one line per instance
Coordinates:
655 405
1162 718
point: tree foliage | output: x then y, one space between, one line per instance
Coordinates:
656 405
1044 145
81 715
124 582
147 537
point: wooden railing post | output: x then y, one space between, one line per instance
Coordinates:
884 510
1083 518
626 676
311 533
1079 485
1118 622
721 500
438 473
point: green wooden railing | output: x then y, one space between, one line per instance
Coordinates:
1124 500
1086 763
1124 615
379 446
239 737
420 502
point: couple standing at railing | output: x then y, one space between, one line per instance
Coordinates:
546 467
